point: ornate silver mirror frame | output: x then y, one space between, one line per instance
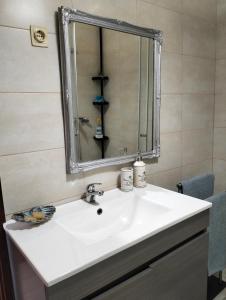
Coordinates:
65 16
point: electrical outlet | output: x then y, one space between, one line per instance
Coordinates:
39 36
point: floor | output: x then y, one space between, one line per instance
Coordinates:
222 295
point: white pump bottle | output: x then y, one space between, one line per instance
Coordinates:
139 172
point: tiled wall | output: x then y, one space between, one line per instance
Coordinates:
219 154
32 164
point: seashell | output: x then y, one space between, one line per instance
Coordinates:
35 215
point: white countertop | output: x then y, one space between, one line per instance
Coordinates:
77 238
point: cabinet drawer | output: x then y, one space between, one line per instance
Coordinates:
182 274
135 288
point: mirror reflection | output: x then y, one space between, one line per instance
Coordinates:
113 92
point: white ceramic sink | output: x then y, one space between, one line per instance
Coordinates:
113 216
77 237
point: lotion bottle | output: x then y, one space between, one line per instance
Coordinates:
99 133
139 172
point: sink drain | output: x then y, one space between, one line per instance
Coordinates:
99 211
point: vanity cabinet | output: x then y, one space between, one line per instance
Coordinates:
178 275
171 264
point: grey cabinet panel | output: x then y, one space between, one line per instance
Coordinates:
134 288
111 269
181 275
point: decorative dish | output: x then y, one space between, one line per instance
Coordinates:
35 215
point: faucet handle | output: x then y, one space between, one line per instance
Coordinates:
91 186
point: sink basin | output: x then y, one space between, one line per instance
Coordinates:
80 234
113 216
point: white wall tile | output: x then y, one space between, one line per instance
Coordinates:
171 73
109 177
170 157
201 8
172 4
25 68
30 122
23 13
169 22
171 113
198 75
199 37
198 168
219 167
197 111
197 145
221 12
37 178
123 10
220 143
166 179
221 41
220 86
220 110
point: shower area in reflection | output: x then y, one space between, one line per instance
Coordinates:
113 111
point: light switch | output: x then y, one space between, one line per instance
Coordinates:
39 36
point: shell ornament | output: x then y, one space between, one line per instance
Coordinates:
35 215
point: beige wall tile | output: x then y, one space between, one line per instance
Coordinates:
23 13
219 167
37 178
198 168
202 8
25 68
198 37
171 73
172 4
220 76
198 75
220 111
170 154
166 179
221 12
221 41
169 22
219 143
123 10
30 122
197 145
171 113
197 111
109 177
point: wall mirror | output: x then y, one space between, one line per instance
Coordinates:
110 73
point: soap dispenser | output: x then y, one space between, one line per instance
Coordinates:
139 172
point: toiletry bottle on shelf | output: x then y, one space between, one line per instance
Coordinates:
99 133
139 172
99 99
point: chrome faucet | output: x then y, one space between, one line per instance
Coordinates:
91 193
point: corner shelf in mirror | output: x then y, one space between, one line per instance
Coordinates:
101 103
100 77
101 139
